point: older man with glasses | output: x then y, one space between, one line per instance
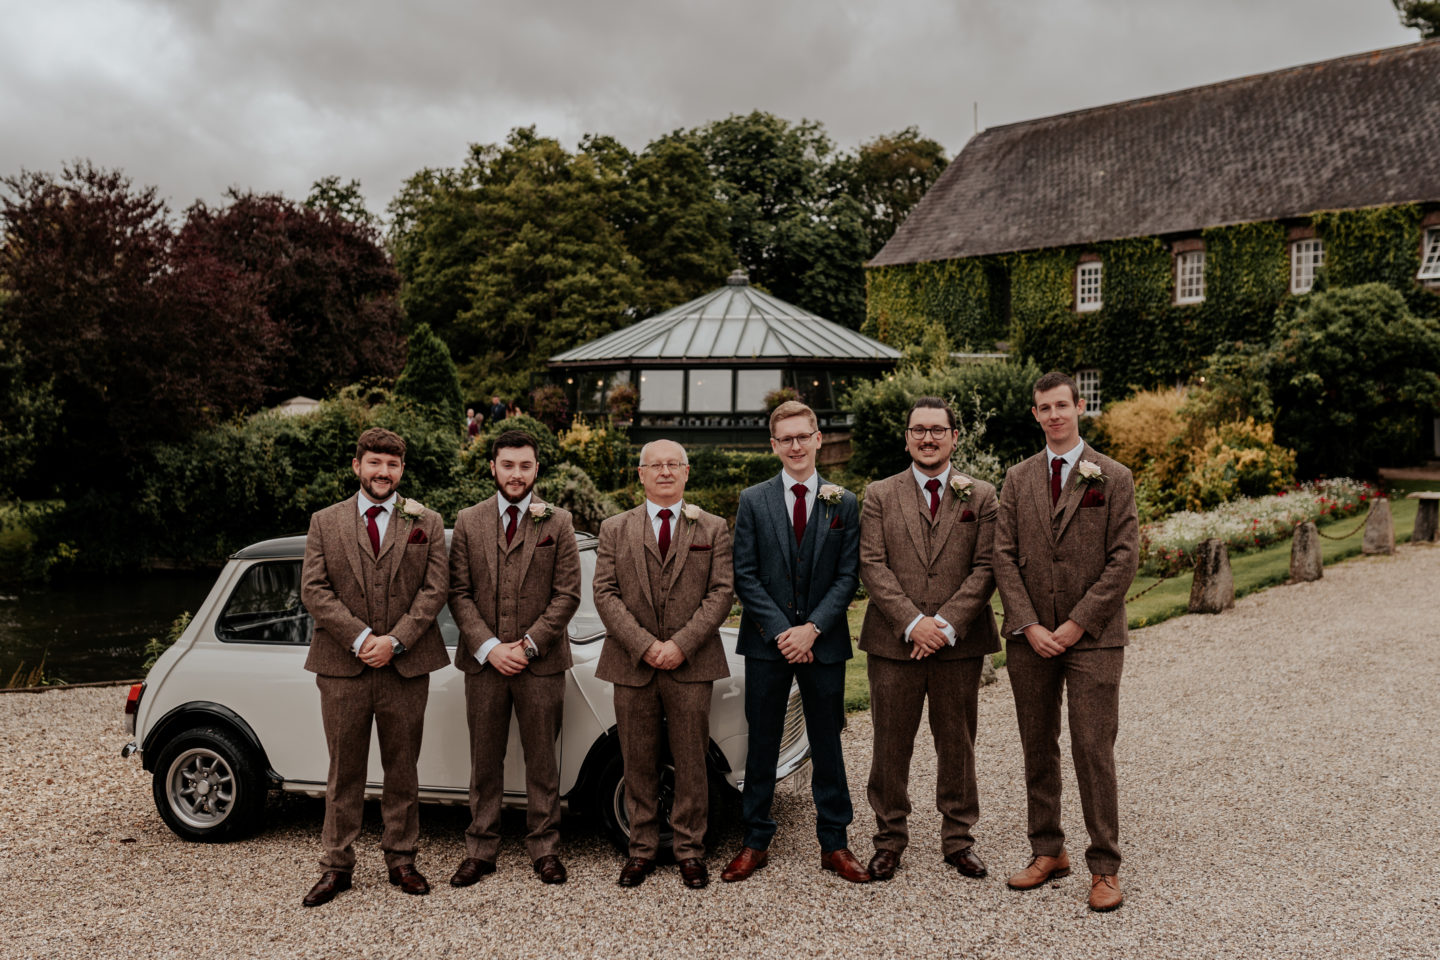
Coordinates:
663 585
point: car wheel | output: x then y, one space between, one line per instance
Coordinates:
609 802
209 786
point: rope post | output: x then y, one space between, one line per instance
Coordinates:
1213 589
1379 530
1306 562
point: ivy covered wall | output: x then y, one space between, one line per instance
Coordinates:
1140 337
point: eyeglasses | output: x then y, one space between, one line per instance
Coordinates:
935 433
668 465
801 438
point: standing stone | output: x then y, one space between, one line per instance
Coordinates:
1427 518
1306 563
1213 588
987 670
1379 529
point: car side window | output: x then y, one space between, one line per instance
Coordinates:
265 607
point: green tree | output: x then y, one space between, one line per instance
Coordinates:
29 411
430 379
887 176
345 199
1422 15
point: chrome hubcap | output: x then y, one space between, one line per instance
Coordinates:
201 787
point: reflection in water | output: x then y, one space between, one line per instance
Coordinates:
93 628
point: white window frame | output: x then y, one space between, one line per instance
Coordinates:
1430 258
1190 277
1088 382
1089 276
1306 258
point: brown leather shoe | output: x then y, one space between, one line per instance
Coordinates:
693 873
746 862
884 864
409 880
1040 871
843 862
968 862
331 884
635 871
1105 892
550 869
470 871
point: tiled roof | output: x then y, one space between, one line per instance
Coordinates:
735 322
1359 131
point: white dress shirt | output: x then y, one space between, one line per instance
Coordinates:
812 484
922 479
503 505
654 509
382 523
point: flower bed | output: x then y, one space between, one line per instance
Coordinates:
1168 546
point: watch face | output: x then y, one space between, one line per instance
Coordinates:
531 653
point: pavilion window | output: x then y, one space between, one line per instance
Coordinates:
710 390
662 391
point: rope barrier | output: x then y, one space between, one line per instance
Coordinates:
1137 596
1363 520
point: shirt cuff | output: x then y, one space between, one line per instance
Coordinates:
359 641
949 630
485 649
918 618
1021 631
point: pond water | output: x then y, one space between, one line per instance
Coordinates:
93 628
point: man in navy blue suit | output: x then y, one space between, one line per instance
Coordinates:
796 548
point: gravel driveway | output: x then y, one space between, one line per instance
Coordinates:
1279 770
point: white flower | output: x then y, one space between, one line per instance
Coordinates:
830 493
411 508
540 511
691 512
1090 472
963 487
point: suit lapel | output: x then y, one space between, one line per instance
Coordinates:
783 526
529 541
392 530
638 539
916 510
679 548
487 538
1039 484
353 545
821 513
1071 496
949 512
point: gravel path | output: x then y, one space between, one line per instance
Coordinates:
1278 769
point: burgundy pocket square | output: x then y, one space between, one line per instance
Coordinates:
418 536
699 546
547 542
968 516
836 524
1093 498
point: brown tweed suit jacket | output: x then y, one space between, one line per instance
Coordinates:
338 583
1069 561
698 575
549 584
911 565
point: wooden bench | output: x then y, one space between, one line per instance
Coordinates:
1427 518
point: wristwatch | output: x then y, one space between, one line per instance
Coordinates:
531 650
396 647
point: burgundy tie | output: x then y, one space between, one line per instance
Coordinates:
1055 466
513 512
664 516
372 528
933 485
799 517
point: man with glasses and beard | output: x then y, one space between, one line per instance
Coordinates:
663 586
926 536
514 585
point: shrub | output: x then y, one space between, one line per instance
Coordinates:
1141 427
778 396
430 379
570 487
601 451
550 407
621 402
714 467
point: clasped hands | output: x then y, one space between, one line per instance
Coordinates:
664 655
795 643
508 658
927 637
1049 643
376 651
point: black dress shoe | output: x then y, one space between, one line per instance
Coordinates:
884 864
967 862
471 869
635 871
693 873
550 869
332 883
409 880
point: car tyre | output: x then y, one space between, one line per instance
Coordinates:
608 801
209 785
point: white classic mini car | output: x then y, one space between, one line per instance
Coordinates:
229 712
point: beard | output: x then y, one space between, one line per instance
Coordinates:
505 492
375 495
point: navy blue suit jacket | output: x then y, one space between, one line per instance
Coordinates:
767 578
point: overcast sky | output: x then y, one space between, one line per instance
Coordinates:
194 96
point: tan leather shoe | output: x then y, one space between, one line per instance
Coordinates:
843 863
1040 871
1105 892
746 862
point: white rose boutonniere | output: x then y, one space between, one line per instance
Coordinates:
830 493
691 512
411 508
540 511
963 487
1090 474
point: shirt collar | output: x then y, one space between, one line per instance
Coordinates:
1069 456
654 509
364 503
812 482
921 479
502 504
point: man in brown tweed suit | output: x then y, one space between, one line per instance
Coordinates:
374 578
514 584
663 586
1066 550
926 536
